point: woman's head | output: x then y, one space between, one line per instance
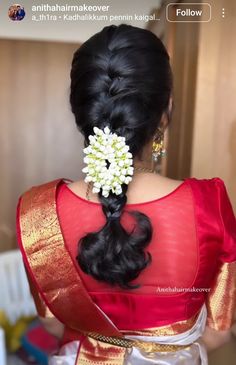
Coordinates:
120 78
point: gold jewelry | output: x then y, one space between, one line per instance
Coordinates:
139 169
158 145
143 169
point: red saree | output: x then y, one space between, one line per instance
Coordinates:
193 250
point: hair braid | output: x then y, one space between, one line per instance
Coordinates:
120 78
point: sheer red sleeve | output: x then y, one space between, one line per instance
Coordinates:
221 301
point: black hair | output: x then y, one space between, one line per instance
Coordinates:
120 78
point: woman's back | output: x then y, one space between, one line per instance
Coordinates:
185 254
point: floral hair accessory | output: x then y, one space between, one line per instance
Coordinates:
109 162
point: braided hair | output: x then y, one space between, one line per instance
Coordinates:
120 78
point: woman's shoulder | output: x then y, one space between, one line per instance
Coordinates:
146 188
212 194
164 183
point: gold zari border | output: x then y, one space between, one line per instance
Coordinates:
146 346
221 301
45 250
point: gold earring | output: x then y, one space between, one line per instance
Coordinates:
158 145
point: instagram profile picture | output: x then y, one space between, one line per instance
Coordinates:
16 12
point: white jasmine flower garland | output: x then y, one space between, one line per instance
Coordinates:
108 147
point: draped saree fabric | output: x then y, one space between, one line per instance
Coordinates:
193 354
194 225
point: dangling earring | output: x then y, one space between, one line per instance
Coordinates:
158 145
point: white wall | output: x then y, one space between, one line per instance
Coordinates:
69 31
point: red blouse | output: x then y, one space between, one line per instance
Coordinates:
194 233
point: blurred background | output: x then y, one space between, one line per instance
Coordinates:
38 138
